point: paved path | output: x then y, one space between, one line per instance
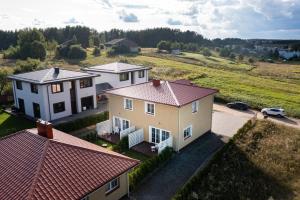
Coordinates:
165 182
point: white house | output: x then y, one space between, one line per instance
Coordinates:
54 93
119 74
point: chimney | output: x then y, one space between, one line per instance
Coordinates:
44 129
156 83
56 70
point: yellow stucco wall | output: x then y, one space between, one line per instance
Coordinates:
200 121
170 118
116 194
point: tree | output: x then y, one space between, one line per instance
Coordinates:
51 46
225 52
206 52
3 80
241 57
26 65
12 53
76 52
251 60
232 56
96 51
175 45
164 45
38 50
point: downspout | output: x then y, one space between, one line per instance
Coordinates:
178 145
15 95
48 102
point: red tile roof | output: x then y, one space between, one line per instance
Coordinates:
34 167
176 93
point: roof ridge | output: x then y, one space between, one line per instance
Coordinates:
94 151
49 70
129 86
193 85
172 92
38 169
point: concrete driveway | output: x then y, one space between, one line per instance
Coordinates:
165 182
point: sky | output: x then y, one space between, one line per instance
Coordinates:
272 19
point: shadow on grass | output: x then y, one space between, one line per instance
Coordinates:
231 175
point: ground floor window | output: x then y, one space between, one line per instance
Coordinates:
87 103
158 135
36 110
187 132
59 107
112 185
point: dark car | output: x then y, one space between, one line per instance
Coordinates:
238 105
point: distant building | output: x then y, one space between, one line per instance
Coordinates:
54 93
132 46
175 51
44 163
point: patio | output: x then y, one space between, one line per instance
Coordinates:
145 148
112 138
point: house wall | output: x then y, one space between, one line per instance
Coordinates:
114 79
30 98
85 92
166 117
116 194
201 121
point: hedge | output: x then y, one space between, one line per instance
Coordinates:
82 122
145 168
185 192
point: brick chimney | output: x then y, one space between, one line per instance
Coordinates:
44 129
156 83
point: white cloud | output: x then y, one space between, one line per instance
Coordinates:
174 22
128 17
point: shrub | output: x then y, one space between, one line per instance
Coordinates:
206 52
26 66
145 168
96 51
225 52
12 53
91 137
122 145
38 50
82 123
164 45
76 52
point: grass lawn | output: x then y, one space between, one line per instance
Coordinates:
261 163
10 124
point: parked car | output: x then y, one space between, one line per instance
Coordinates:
238 105
279 112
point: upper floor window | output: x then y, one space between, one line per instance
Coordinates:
59 107
150 108
142 74
34 88
19 85
128 104
124 76
57 87
86 82
112 185
195 106
187 132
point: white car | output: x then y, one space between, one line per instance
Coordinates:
279 112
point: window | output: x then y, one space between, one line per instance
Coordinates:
124 76
125 124
128 104
141 74
195 106
57 87
59 107
187 132
112 185
150 108
164 135
19 85
158 135
34 88
87 82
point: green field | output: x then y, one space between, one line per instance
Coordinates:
10 124
259 85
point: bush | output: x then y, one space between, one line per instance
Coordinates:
225 52
12 53
28 65
91 137
206 52
76 52
122 146
38 50
164 45
82 123
96 51
145 168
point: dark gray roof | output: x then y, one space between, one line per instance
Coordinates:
123 41
116 67
102 87
48 76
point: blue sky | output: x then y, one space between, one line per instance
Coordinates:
276 19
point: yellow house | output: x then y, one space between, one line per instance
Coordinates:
168 113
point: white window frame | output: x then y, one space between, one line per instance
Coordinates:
197 106
146 108
191 134
141 72
160 134
125 104
121 122
111 188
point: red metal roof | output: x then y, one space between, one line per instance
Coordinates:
34 167
171 93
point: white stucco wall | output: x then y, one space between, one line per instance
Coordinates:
85 92
114 79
